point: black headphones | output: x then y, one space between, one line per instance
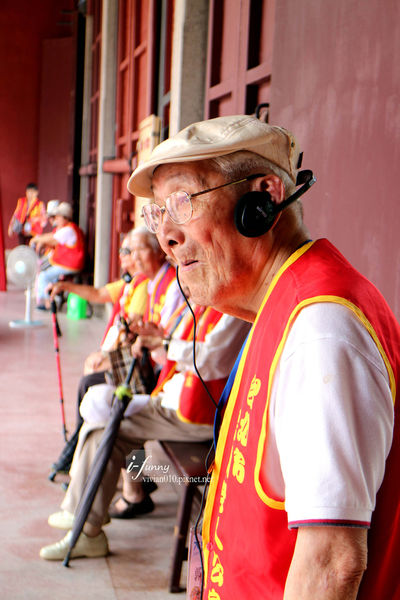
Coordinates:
255 212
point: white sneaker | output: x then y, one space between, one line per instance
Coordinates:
61 520
90 547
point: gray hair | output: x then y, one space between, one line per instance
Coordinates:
242 163
151 238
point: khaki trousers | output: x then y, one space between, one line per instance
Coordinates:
153 422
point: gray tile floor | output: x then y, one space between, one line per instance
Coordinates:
30 440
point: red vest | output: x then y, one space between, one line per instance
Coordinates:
35 215
248 547
195 406
155 300
72 258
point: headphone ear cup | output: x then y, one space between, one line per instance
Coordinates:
255 214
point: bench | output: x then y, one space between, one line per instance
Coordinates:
189 459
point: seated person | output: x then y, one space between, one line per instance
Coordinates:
162 299
29 216
66 256
179 409
129 302
164 295
134 500
45 251
51 210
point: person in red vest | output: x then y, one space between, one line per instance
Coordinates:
66 256
178 409
29 217
304 496
129 297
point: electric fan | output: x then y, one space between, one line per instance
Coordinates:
22 264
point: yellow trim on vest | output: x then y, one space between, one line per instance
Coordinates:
160 386
279 505
182 418
185 420
292 258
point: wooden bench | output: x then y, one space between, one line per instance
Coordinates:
189 459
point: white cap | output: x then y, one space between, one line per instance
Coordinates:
51 207
64 209
219 137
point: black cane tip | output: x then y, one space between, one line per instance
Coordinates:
66 559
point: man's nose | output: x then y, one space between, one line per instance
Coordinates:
169 234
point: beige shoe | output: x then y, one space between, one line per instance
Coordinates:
61 520
90 547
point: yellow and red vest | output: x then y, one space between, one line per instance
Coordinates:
156 299
70 257
35 216
247 545
195 405
119 310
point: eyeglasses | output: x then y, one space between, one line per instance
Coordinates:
178 206
125 251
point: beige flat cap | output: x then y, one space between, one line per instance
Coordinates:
218 137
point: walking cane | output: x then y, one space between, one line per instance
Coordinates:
122 397
56 335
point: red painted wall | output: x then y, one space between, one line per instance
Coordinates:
23 27
336 85
56 120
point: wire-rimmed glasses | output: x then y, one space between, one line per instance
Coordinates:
178 206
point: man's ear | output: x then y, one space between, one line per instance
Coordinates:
274 186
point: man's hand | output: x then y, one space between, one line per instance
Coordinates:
143 341
96 361
149 329
57 288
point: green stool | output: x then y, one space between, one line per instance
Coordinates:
76 307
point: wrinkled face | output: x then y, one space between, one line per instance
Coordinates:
212 257
147 260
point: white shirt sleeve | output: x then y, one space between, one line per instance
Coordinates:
65 236
215 356
331 419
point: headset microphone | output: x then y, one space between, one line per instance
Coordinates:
255 212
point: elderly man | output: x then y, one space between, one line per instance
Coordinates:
179 409
129 297
67 252
308 424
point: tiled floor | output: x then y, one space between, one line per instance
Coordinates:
30 440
